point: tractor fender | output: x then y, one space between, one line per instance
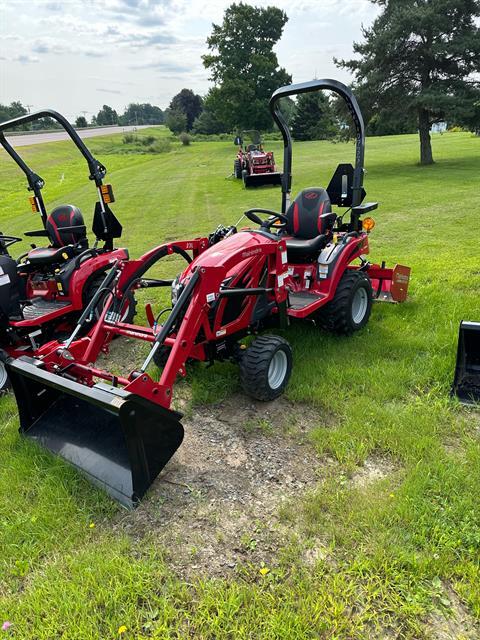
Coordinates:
334 259
73 279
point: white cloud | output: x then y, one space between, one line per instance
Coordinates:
141 48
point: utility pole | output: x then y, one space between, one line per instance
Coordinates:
28 107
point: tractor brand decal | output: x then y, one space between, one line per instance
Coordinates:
190 245
401 278
311 195
252 252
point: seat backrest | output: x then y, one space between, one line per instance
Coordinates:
65 215
304 214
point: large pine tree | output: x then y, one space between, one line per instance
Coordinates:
313 119
420 56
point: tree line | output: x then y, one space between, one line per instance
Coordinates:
417 65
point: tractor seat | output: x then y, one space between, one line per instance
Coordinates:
299 248
63 244
309 218
50 255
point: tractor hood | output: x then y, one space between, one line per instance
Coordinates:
244 243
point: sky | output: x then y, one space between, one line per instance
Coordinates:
76 55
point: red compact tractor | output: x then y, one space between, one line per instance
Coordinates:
253 165
305 261
44 291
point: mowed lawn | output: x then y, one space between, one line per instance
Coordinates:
401 552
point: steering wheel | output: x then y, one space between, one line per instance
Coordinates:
251 214
7 241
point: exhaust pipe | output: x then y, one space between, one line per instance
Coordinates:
119 440
466 385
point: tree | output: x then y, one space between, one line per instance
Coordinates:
81 122
244 66
313 119
145 113
13 110
419 57
207 123
188 103
176 121
288 108
106 116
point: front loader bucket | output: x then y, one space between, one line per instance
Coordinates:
466 385
262 179
120 440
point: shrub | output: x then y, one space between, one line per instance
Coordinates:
161 145
147 140
185 139
129 138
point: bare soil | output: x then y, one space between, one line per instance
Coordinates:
217 505
454 624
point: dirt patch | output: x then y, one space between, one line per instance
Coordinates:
374 468
456 624
216 507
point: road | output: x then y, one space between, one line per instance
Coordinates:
22 140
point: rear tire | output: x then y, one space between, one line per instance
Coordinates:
265 367
350 309
237 169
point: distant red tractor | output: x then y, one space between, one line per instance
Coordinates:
253 165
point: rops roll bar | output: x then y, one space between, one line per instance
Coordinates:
35 182
352 104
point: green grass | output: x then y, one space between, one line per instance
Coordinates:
393 545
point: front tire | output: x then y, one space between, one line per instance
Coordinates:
350 309
5 384
237 169
265 367
129 308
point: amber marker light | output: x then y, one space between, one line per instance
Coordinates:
368 224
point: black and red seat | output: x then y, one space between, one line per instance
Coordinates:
64 244
310 219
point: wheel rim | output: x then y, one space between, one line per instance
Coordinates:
3 375
277 369
359 305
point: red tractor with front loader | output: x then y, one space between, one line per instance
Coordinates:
238 287
255 166
45 290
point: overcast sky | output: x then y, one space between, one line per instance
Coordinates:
76 55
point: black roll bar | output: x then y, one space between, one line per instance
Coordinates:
35 182
352 104
97 170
